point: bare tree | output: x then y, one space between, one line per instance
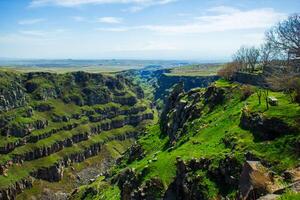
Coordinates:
287 81
240 58
266 97
267 55
252 55
259 94
247 58
285 36
228 71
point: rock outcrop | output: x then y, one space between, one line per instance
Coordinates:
178 111
53 120
12 94
263 127
182 107
16 188
255 181
127 181
23 129
135 152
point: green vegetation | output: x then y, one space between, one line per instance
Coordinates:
110 149
204 138
94 119
57 118
290 196
196 70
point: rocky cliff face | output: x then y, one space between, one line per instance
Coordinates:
12 93
49 121
78 87
166 82
189 182
23 129
210 146
182 107
18 187
162 83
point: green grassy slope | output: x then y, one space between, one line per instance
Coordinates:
216 135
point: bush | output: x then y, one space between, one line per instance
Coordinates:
228 71
288 82
297 90
246 92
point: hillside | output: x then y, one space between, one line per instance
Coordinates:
92 136
157 82
211 143
195 70
58 129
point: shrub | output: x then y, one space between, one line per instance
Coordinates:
297 90
288 82
246 91
228 71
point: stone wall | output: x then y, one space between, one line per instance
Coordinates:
261 79
252 79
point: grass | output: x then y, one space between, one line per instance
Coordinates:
286 110
16 172
290 196
195 70
111 150
61 109
4 141
58 138
203 138
69 107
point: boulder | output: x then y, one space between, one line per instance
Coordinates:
273 101
292 175
151 190
135 152
269 197
127 181
214 96
255 181
52 173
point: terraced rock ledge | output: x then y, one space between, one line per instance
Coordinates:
50 121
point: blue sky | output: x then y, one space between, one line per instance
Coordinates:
136 29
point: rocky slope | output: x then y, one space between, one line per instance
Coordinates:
49 122
211 143
157 83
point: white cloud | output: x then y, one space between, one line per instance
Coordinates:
232 19
78 18
119 29
223 19
41 33
110 20
30 21
145 4
223 9
184 14
73 3
33 32
157 45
